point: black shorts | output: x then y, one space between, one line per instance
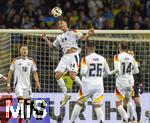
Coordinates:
136 91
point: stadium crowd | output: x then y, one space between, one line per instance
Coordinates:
82 14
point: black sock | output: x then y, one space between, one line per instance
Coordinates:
125 108
138 111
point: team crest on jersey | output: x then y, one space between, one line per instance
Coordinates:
19 64
28 64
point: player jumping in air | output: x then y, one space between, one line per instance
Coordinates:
92 67
21 67
126 65
68 41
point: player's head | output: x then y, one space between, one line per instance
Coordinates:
62 25
90 47
24 50
131 52
123 46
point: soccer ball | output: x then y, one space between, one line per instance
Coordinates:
56 11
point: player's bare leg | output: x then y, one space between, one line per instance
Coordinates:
62 85
138 108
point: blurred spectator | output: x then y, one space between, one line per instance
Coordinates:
119 18
99 20
16 22
126 23
115 8
148 8
28 10
26 24
146 23
93 6
107 13
136 26
74 17
100 14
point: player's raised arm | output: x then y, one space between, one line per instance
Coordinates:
49 43
86 37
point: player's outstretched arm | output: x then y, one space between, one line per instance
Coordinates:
50 44
107 69
37 82
89 33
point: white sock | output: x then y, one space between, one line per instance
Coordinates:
75 112
130 109
62 85
99 114
122 112
78 81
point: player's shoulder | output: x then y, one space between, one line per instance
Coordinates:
124 54
59 36
129 55
15 59
83 60
30 59
75 31
18 58
95 56
116 57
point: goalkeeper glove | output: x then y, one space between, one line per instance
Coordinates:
141 88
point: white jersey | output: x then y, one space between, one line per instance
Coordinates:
126 65
22 69
67 40
92 68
